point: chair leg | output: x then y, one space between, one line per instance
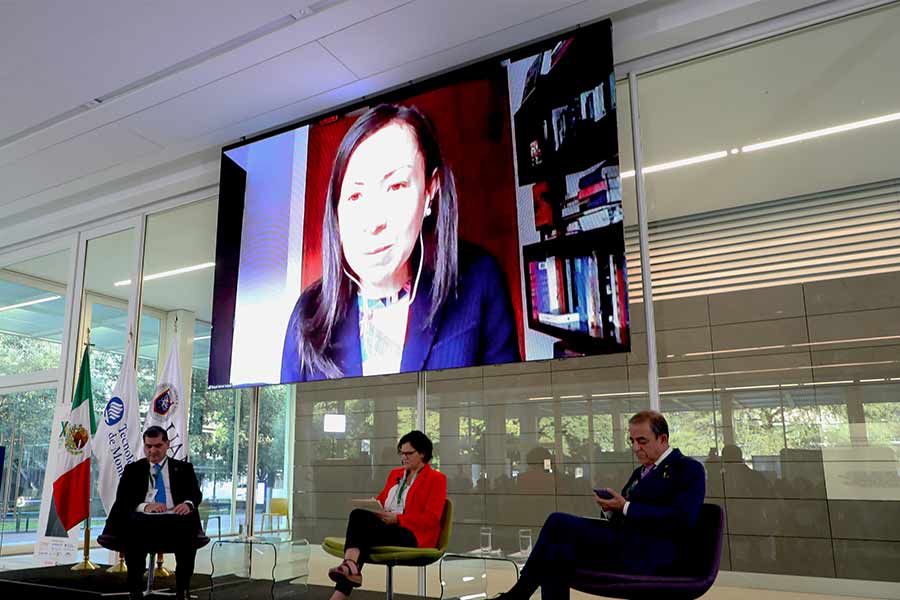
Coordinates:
151 569
390 582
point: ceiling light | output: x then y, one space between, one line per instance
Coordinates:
201 266
851 341
809 135
617 394
782 369
684 162
201 337
30 303
752 387
754 349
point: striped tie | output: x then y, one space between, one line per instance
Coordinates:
647 470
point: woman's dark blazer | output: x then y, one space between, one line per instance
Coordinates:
476 326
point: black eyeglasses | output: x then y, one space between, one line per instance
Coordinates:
402 453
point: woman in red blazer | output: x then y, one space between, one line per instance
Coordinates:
413 499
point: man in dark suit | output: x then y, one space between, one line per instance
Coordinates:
148 488
645 527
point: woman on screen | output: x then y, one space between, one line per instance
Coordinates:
398 291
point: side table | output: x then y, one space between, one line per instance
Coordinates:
261 557
465 574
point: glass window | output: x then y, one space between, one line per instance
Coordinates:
274 458
32 305
179 254
109 261
772 199
25 431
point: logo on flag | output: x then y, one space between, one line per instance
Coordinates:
114 411
167 407
76 438
166 397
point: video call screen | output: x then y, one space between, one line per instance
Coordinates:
472 219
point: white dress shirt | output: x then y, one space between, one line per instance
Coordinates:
396 499
151 486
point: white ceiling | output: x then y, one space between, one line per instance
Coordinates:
177 78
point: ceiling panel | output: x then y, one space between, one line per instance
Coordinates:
96 47
424 27
272 45
417 69
294 75
94 151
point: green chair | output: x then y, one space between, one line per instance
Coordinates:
400 556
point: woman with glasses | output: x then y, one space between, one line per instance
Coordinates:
413 501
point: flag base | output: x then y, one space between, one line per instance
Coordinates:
160 570
119 567
85 565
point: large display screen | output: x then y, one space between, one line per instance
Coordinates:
472 219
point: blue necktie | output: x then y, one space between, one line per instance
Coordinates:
160 485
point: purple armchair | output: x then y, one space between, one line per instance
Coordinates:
698 569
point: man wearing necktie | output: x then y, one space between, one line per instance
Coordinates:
153 485
645 527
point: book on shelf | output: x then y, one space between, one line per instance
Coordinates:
581 289
570 284
583 294
592 189
533 289
552 285
566 320
614 299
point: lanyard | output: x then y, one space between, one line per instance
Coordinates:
400 490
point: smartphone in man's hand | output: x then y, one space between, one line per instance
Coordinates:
603 494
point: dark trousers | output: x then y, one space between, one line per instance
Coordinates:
136 561
565 543
364 530
180 535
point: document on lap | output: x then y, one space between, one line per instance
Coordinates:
367 504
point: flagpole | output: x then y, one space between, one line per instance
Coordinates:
120 566
86 564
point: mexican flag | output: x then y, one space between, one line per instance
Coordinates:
71 488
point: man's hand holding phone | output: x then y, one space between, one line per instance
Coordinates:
609 500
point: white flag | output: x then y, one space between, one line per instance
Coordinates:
118 439
167 407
